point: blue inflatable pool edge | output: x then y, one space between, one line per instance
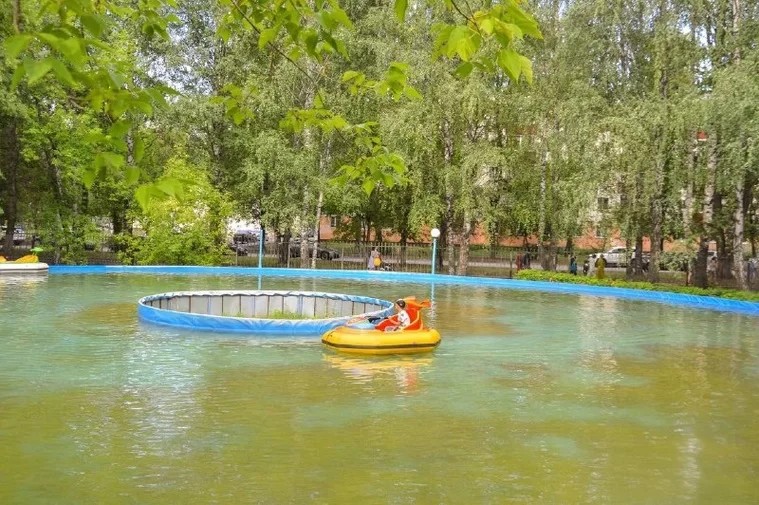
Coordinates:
696 301
172 312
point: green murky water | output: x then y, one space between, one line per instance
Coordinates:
531 398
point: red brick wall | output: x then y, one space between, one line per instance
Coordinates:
587 241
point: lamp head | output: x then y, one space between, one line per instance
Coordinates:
435 233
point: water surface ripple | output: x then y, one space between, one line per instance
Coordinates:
531 398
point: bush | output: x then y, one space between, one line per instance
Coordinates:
541 275
187 232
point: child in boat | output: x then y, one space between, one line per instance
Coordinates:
401 317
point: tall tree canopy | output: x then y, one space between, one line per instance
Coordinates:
515 118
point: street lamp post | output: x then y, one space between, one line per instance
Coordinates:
260 248
435 233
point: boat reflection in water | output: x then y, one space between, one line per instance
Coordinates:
405 371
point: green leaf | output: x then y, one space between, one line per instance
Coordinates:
171 187
116 78
399 65
325 20
310 39
143 106
412 93
463 70
36 70
238 117
157 96
523 20
89 175
224 33
319 100
94 137
339 122
120 10
143 194
132 175
341 49
267 36
368 186
526 68
458 35
510 62
16 44
116 108
73 51
110 160
341 17
17 76
234 91
487 25
400 11
119 128
138 149
94 24
504 32
63 74
350 74
49 39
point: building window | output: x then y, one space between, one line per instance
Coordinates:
334 221
599 232
603 203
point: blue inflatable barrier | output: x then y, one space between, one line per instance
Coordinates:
301 313
695 301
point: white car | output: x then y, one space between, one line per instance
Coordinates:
616 257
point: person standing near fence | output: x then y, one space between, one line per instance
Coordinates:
573 265
374 260
711 271
600 267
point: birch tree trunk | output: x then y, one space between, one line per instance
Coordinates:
11 159
449 211
739 270
324 164
542 206
701 278
464 239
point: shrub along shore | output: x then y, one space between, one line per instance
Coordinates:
540 275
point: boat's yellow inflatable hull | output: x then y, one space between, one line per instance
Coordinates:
365 341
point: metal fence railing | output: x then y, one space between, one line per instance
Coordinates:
490 261
485 261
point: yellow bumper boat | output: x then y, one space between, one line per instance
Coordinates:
363 337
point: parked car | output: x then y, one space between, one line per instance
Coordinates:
19 235
245 242
616 257
322 252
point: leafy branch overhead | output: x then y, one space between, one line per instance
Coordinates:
76 43
505 24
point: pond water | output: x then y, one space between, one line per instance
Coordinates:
531 398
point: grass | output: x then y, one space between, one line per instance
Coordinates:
286 314
281 315
734 294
